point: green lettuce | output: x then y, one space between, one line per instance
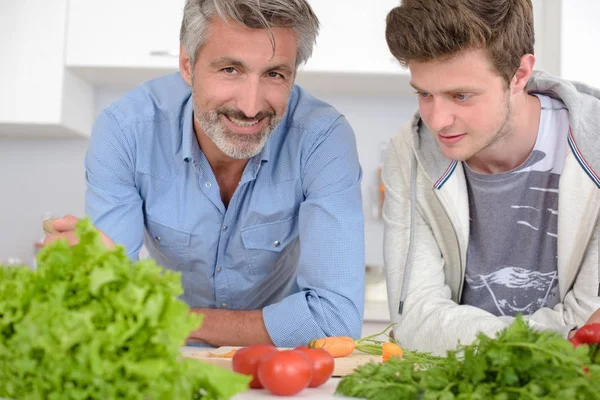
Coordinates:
91 324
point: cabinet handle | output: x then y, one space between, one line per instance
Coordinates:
164 53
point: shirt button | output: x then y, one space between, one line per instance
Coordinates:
157 239
276 243
223 305
208 184
224 229
218 269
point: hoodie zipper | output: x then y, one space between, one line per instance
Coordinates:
458 246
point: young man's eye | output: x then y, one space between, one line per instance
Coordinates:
461 96
228 70
422 94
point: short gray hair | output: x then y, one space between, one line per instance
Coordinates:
258 14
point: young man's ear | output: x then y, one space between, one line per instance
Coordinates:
523 73
185 65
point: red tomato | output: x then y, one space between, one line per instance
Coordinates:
285 373
245 361
322 364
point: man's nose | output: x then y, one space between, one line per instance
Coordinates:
250 98
440 115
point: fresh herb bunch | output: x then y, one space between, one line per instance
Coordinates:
519 363
89 324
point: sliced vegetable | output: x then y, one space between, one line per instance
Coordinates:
229 354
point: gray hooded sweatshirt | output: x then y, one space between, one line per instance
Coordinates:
426 216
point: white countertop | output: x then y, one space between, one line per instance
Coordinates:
323 392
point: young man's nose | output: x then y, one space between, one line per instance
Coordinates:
440 115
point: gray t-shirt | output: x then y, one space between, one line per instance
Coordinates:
511 259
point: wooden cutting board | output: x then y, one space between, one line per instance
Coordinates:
343 365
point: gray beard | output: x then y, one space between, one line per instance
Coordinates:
234 145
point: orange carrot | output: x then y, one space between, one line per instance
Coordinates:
229 354
341 346
391 350
337 346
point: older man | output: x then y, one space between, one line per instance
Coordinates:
246 184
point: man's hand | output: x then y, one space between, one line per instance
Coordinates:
594 319
64 228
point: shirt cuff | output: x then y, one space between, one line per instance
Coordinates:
290 322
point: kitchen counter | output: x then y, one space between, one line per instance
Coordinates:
324 392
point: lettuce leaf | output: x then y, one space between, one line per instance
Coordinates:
91 324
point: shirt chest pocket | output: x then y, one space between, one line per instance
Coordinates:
172 244
266 245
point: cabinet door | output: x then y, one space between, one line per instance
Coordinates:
124 33
352 37
31 40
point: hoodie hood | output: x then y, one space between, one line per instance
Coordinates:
583 103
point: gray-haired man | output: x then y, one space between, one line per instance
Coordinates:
243 182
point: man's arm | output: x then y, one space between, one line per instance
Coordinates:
331 267
112 200
227 327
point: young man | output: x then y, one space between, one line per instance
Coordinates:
493 189
241 181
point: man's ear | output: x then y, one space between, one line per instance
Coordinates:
523 73
185 65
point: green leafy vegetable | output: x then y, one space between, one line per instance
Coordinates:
519 363
89 324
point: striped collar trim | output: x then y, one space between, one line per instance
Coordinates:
444 178
584 164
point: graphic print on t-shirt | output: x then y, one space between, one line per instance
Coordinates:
511 259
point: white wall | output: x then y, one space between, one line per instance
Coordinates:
48 176
580 33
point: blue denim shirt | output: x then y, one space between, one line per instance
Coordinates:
291 241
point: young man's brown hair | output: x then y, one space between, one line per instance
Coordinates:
426 30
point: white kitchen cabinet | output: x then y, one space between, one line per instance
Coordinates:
38 97
115 43
351 54
352 37
120 43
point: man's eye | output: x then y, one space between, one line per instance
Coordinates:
461 97
422 94
273 74
229 70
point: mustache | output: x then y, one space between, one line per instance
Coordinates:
238 114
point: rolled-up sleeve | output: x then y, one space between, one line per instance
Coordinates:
331 270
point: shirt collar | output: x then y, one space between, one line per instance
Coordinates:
189 142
